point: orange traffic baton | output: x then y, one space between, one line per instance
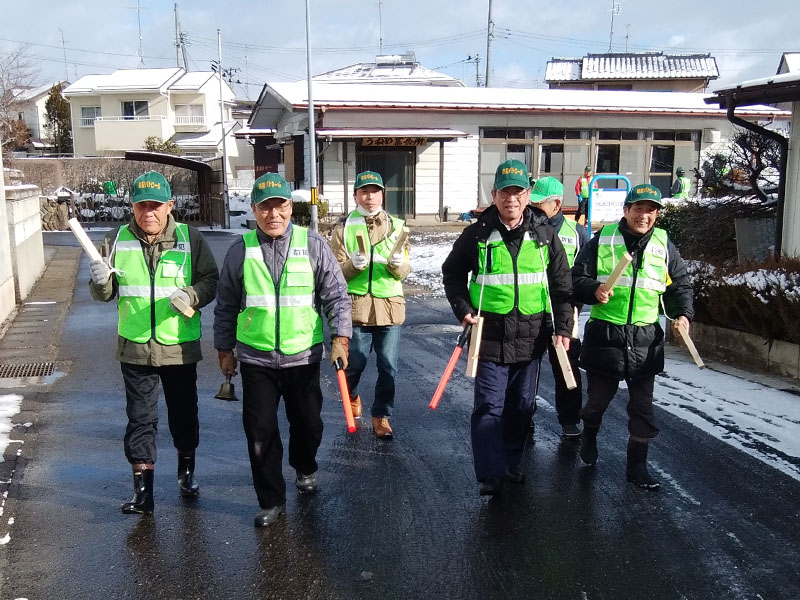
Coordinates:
451 365
348 410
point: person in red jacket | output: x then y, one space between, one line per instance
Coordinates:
582 192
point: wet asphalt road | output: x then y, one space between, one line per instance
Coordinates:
398 519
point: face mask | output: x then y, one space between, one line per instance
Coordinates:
363 211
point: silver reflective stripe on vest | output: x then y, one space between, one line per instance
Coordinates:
143 291
642 283
508 279
269 301
129 246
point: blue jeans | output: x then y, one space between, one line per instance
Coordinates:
385 340
504 401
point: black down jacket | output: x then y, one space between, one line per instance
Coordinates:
628 351
512 337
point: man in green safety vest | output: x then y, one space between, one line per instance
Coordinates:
156 268
374 281
511 269
276 284
682 185
547 195
623 338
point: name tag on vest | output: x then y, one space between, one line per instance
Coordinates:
658 251
298 252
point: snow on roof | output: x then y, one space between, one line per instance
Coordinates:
295 94
783 79
790 63
208 139
192 81
124 80
632 65
35 93
387 72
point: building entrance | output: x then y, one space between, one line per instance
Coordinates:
396 166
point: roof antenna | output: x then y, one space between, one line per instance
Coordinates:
627 35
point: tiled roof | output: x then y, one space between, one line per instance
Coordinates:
633 65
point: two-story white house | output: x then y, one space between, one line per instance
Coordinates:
116 112
30 108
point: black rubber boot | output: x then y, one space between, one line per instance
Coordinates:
589 445
142 502
186 482
636 471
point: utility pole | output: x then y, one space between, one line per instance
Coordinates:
177 38
489 36
139 19
615 10
226 219
312 134
246 75
380 27
64 48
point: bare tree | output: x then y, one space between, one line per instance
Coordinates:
18 72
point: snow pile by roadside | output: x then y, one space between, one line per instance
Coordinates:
9 406
428 251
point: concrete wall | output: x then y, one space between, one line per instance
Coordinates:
7 287
25 237
791 211
745 349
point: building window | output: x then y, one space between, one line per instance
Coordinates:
88 115
189 114
135 109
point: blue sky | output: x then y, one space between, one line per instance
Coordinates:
266 40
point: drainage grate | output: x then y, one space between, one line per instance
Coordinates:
27 370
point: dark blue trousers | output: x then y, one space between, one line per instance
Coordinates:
501 417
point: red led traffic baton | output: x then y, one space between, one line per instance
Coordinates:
348 410
451 365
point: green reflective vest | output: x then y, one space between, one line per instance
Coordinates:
284 318
507 283
585 187
686 186
143 298
632 304
375 279
568 234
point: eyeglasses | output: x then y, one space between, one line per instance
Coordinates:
507 193
266 206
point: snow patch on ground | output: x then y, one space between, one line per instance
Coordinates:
9 406
428 251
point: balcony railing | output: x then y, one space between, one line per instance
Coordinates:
137 118
189 120
88 121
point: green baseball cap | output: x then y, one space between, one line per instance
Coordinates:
368 178
270 185
545 188
151 186
511 172
644 191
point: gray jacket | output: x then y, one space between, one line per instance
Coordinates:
332 300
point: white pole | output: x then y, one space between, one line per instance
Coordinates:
489 36
226 216
312 135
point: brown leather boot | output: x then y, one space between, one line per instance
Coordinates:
381 427
355 405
